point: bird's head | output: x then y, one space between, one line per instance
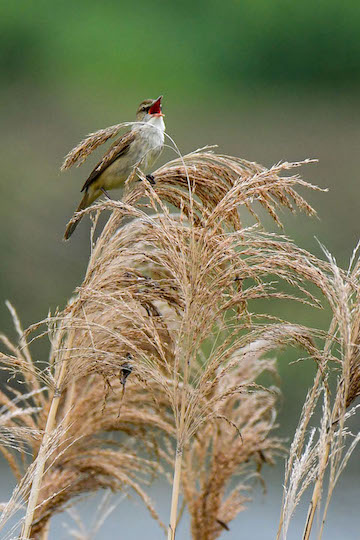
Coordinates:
149 108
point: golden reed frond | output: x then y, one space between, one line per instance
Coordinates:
78 155
161 338
220 188
327 451
236 442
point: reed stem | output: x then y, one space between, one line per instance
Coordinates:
175 494
316 494
42 455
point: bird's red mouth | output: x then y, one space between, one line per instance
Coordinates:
155 109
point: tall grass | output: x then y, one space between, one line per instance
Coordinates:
154 364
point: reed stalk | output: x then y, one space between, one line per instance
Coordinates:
175 493
316 493
42 455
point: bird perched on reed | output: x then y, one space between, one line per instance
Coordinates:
139 147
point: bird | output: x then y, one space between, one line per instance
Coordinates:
139 147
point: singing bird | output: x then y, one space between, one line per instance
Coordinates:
139 147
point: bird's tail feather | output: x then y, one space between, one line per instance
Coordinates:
84 203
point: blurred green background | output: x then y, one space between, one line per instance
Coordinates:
267 81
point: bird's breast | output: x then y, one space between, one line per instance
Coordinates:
143 152
150 144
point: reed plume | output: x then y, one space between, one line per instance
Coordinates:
324 453
160 344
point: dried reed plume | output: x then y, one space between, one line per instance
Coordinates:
160 344
326 449
79 154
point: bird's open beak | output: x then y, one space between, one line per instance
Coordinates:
155 109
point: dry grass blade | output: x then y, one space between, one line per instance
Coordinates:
17 360
102 513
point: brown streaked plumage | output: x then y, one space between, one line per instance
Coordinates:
140 146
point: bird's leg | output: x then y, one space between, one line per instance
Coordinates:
106 193
151 179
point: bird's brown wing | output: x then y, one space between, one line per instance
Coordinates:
119 148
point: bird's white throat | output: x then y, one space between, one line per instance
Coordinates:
158 122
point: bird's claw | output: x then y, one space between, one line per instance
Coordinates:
151 179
